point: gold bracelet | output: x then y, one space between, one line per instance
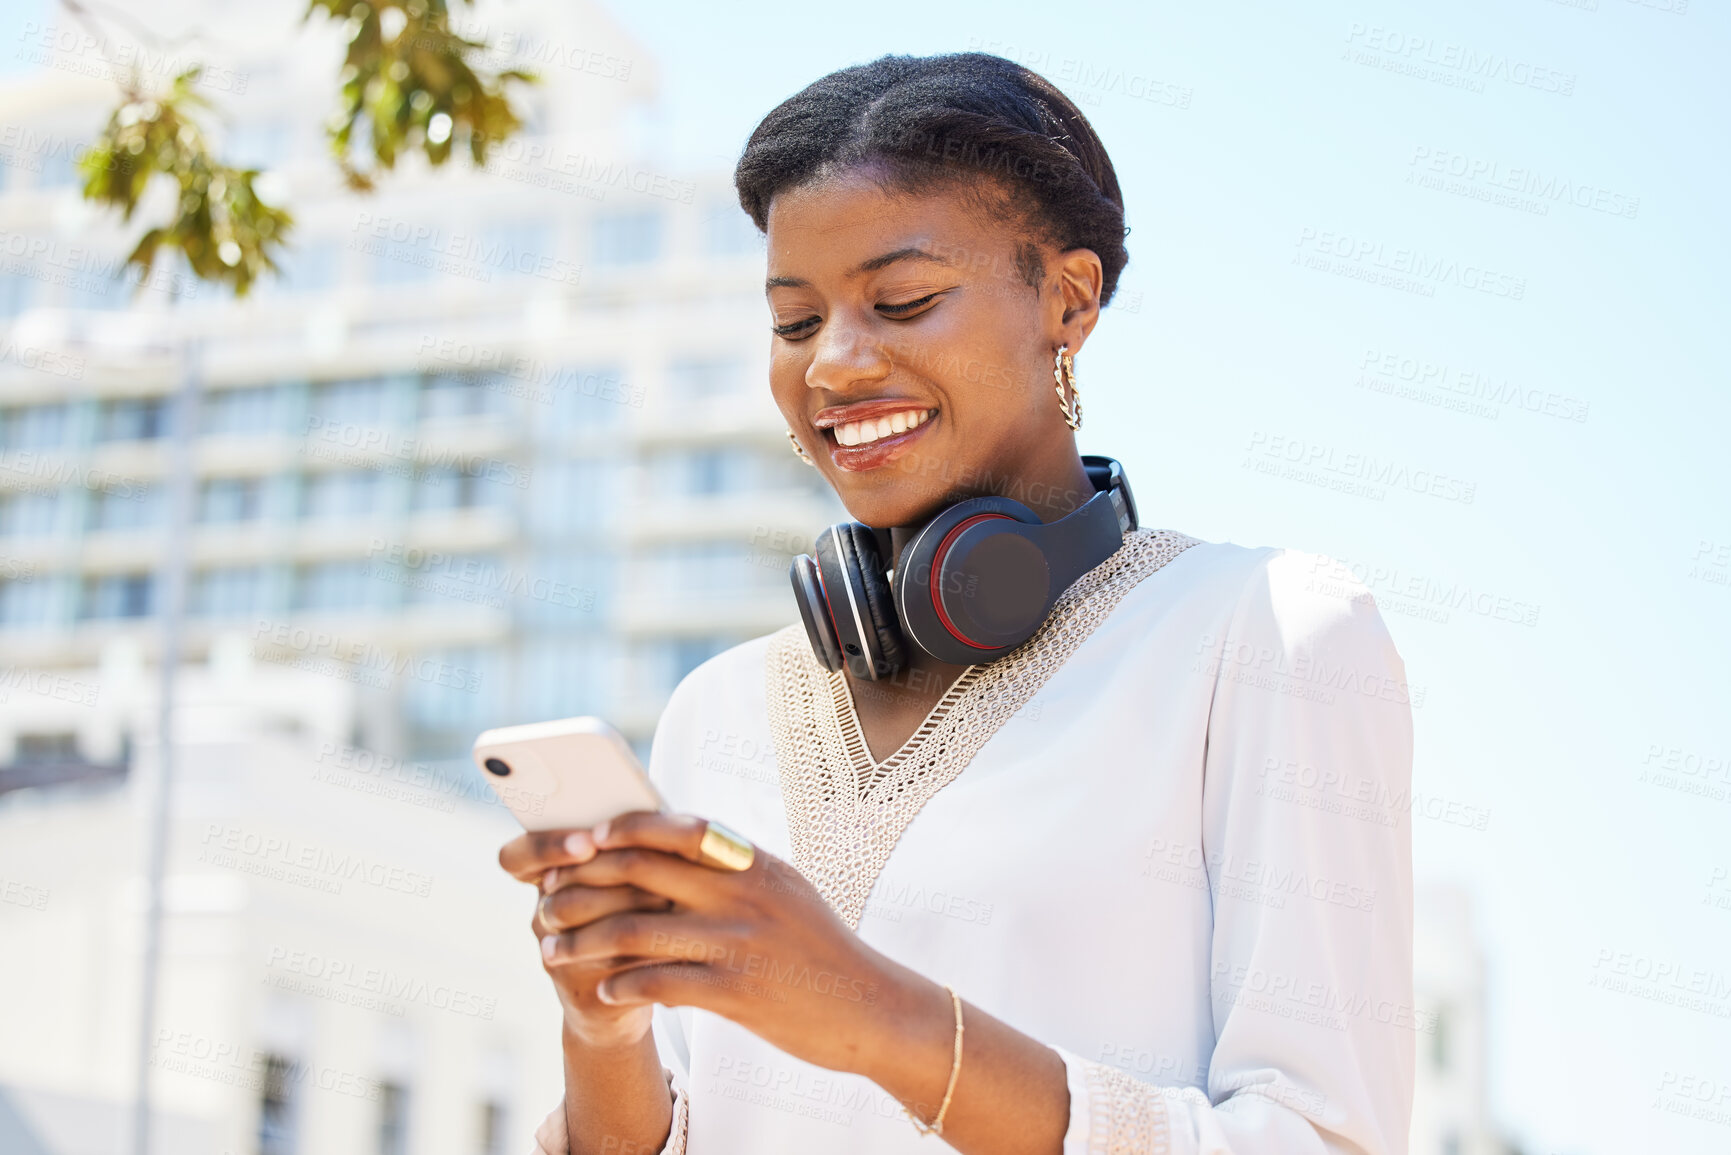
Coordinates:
937 1126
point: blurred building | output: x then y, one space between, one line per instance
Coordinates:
497 448
1451 1111
345 968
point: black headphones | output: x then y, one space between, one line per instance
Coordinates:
974 583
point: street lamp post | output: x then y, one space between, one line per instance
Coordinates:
171 605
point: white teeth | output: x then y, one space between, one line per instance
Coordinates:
865 432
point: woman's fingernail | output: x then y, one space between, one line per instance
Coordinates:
548 879
602 993
601 829
578 844
548 946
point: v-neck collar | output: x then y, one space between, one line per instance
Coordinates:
870 774
841 826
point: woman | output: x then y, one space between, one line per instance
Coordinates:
1141 885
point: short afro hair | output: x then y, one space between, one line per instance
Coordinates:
932 121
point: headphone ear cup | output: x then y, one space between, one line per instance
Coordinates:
927 573
814 611
858 550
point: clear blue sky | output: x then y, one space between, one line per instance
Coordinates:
1593 522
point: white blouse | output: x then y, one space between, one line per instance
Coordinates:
1168 836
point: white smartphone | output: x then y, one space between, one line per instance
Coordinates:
569 773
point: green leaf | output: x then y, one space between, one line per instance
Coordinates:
388 92
394 86
215 203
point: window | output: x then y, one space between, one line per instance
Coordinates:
482 482
690 653
466 579
134 419
566 589
568 496
455 688
17 290
393 1119
587 399
704 472
627 238
230 499
58 169
349 493
130 506
446 398
117 596
308 268
728 232
564 677
692 380
397 260
337 585
707 470
705 569
30 514
99 287
701 472
26 603
672 660
228 592
1441 1045
441 488
243 411
521 249
362 403
36 427
276 1106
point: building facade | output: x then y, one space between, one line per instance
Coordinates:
345 970
497 447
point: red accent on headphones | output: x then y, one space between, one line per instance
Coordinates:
902 617
834 631
938 566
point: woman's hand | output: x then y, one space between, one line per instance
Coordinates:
643 921
636 919
531 857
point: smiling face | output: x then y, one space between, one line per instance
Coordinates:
912 357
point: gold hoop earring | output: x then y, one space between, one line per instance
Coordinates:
1064 373
800 450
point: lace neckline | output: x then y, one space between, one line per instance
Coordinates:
846 813
869 773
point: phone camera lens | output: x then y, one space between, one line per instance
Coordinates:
498 766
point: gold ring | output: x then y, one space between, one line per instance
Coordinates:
725 850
